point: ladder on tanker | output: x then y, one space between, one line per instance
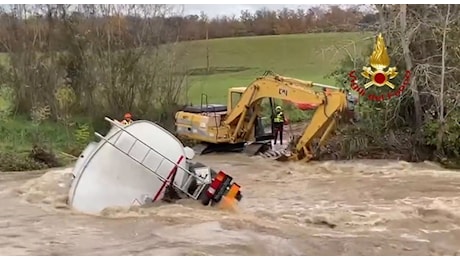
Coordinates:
166 181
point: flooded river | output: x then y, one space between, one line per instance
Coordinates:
320 208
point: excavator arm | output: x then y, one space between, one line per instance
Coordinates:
322 124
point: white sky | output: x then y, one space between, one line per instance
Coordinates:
213 10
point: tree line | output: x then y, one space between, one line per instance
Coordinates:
33 24
331 18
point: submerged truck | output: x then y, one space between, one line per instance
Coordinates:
139 164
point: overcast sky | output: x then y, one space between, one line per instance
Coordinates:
222 9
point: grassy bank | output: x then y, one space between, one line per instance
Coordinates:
55 143
238 61
233 62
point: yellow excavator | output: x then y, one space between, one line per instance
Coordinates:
238 126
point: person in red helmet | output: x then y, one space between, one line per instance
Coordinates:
128 119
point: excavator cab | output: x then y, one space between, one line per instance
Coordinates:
262 131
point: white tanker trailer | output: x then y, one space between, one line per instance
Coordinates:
142 163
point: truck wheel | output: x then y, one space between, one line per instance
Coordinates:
205 200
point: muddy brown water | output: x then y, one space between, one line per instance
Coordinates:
360 207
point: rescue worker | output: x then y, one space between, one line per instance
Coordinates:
278 124
127 119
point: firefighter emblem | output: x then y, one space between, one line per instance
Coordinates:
379 61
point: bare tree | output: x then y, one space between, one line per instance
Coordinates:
406 35
94 52
443 77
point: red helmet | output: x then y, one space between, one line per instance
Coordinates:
128 116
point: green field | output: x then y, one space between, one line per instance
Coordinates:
241 60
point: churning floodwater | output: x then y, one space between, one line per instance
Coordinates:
359 207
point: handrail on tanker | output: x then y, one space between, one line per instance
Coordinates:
153 149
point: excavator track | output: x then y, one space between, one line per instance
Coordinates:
263 150
257 148
218 148
250 149
279 155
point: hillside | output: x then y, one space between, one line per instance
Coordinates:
237 61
